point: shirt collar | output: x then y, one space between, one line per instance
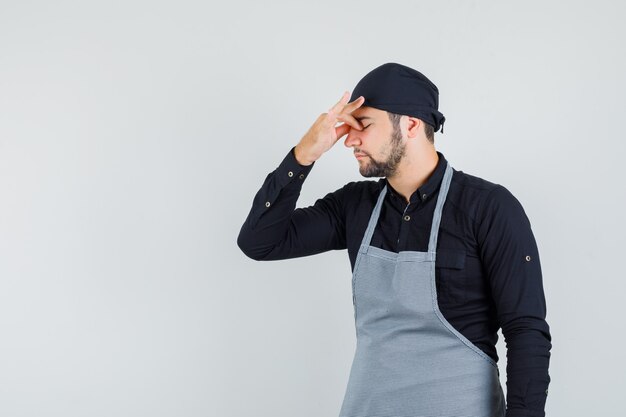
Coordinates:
428 188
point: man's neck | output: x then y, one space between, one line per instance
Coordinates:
413 173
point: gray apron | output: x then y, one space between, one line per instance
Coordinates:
409 360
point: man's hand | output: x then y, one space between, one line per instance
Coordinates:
323 134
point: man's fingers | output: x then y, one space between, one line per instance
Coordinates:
341 111
336 109
342 130
350 120
358 102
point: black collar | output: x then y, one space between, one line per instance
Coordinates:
425 191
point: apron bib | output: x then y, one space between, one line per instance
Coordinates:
409 360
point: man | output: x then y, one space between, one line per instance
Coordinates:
441 259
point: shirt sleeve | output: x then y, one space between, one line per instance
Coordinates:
275 229
510 256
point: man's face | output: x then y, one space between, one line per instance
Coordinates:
381 144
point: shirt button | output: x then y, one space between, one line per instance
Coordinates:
301 176
290 174
267 204
527 258
423 196
407 217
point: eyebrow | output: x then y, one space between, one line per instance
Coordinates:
363 117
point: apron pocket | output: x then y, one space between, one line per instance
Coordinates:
450 276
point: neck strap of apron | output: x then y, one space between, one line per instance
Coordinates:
441 198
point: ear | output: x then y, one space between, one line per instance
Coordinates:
414 126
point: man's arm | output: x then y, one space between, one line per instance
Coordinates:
275 229
511 259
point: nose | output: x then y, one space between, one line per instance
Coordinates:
353 138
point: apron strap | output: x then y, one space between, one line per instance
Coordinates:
373 220
441 198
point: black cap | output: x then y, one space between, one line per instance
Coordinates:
402 90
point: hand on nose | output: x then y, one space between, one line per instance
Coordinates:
323 134
342 112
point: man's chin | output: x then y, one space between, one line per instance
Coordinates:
368 174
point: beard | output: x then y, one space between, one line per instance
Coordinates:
389 166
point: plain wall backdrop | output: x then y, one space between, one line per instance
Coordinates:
135 134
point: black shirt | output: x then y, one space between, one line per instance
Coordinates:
487 268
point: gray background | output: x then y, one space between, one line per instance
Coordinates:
134 135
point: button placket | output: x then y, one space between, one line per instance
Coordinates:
403 227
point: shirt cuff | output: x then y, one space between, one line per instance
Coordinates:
291 172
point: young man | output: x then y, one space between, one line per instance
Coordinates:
441 259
